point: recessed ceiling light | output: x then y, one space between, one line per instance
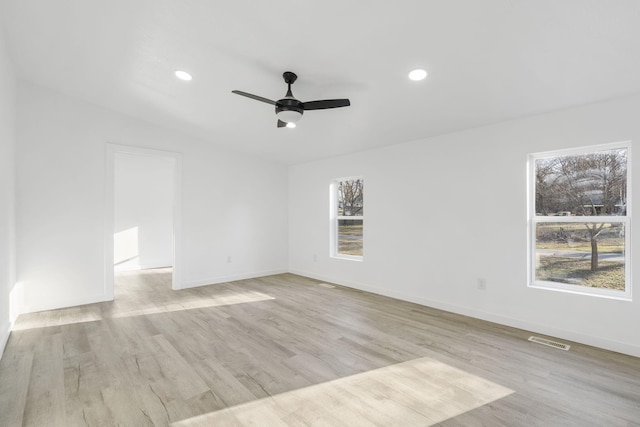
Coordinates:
183 75
291 125
418 74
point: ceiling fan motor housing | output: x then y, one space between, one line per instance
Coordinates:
289 110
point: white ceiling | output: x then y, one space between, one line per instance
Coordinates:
488 61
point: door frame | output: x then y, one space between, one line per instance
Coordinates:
111 150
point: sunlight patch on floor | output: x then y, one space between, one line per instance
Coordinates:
418 392
97 312
194 303
59 317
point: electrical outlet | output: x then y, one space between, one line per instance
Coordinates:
482 284
229 259
315 258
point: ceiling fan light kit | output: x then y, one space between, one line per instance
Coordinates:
289 109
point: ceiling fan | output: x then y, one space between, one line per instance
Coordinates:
289 109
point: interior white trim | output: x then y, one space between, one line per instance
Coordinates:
111 150
4 337
591 340
334 218
231 278
55 304
533 220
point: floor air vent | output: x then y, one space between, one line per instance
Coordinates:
550 343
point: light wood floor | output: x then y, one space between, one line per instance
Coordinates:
285 350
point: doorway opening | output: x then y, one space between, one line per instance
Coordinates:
143 213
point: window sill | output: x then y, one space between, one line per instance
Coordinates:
581 290
348 257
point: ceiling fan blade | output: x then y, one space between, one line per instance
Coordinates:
256 97
326 103
281 124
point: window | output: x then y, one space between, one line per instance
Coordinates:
347 212
579 221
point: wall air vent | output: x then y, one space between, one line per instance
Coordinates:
550 343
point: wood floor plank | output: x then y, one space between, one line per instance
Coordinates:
284 350
223 384
15 373
82 390
176 369
46 396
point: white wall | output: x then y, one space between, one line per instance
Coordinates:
7 201
143 215
232 204
422 243
445 211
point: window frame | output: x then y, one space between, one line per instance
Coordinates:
533 220
335 218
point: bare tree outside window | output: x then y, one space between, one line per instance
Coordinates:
350 217
351 197
581 219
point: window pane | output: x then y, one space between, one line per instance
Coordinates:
582 185
351 197
583 254
350 237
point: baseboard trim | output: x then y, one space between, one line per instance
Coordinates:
138 267
4 338
42 306
230 278
54 305
594 341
